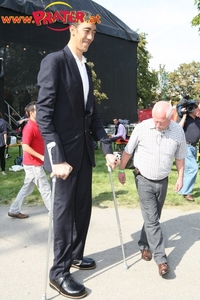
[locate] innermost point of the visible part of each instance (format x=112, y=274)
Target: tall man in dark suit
x=67, y=115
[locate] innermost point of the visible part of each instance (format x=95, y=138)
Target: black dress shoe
x=68, y=287
x=84, y=264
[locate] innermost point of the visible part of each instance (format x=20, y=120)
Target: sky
x=171, y=38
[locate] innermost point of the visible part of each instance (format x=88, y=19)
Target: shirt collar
x=77, y=59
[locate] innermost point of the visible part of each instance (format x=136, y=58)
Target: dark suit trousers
x=71, y=217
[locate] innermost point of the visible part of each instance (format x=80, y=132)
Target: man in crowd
x=120, y=130
x=191, y=126
x=155, y=143
x=33, y=159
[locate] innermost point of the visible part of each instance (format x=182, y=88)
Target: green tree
x=163, y=82
x=97, y=85
x=196, y=19
x=147, y=80
x=186, y=79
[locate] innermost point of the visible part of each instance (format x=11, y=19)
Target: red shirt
x=33, y=138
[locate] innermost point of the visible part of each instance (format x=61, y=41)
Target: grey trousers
x=152, y=197
x=33, y=176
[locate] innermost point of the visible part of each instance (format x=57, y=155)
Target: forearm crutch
x=49, y=147
x=117, y=217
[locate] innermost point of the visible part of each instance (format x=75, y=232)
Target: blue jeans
x=33, y=176
x=190, y=171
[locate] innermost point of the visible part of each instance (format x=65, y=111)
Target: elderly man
x=156, y=142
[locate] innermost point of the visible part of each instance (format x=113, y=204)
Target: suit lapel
x=75, y=71
x=73, y=68
x=89, y=104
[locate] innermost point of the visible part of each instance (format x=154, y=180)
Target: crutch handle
x=109, y=168
x=49, y=147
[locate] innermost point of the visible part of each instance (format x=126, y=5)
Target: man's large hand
x=61, y=170
x=112, y=161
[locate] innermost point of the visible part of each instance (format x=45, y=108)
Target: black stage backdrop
x=113, y=52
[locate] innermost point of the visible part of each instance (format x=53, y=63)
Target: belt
x=136, y=172
x=191, y=144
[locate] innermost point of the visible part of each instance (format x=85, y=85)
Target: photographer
x=188, y=111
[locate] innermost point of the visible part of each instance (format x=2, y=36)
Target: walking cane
x=117, y=217
x=49, y=147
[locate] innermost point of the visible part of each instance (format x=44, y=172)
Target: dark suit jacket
x=61, y=114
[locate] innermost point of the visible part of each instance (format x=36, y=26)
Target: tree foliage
x=97, y=85
x=196, y=19
x=163, y=83
x=147, y=80
x=186, y=79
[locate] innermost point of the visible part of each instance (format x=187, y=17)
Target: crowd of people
x=156, y=142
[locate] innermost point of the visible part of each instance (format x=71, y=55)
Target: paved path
x=23, y=245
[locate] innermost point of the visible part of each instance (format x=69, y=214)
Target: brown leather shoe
x=189, y=198
x=146, y=255
x=163, y=269
x=18, y=216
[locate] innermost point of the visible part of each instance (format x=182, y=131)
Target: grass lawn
x=126, y=195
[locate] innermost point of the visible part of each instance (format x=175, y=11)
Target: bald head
x=162, y=108
x=161, y=113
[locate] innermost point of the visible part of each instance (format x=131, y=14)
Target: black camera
x=188, y=104
x=190, y=107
